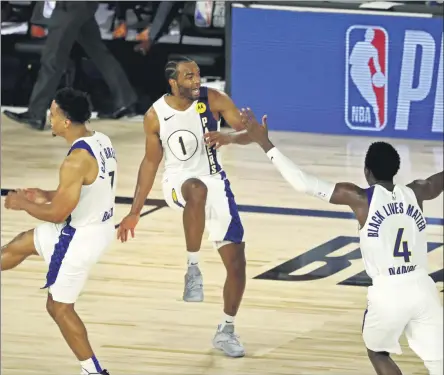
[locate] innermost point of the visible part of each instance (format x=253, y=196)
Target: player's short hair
x=74, y=104
x=383, y=161
x=172, y=65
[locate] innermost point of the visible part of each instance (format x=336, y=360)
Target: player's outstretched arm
x=147, y=173
x=340, y=193
x=428, y=189
x=222, y=103
x=72, y=174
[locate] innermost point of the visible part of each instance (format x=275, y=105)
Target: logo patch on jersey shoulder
x=201, y=107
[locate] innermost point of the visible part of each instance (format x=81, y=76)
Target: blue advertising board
x=340, y=73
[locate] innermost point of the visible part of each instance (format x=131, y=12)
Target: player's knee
x=434, y=367
x=237, y=262
x=50, y=307
x=22, y=244
x=60, y=310
x=375, y=355
x=195, y=191
x=15, y=243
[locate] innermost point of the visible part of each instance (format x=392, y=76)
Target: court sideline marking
x=160, y=203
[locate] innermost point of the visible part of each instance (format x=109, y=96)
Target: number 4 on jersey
x=405, y=253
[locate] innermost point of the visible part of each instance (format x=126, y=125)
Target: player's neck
x=386, y=184
x=77, y=133
x=178, y=103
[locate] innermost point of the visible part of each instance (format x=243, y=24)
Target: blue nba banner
x=349, y=73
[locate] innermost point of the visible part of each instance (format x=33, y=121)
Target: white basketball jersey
x=96, y=204
x=182, y=137
x=393, y=240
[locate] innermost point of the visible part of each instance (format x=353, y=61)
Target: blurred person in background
x=70, y=22
x=166, y=12
x=120, y=22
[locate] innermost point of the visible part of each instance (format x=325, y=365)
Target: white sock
x=91, y=366
x=193, y=258
x=227, y=319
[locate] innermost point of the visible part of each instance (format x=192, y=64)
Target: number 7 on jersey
x=111, y=175
x=405, y=253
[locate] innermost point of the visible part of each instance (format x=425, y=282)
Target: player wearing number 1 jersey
x=403, y=297
x=184, y=127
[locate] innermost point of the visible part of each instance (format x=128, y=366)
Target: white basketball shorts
x=408, y=304
x=70, y=253
x=222, y=219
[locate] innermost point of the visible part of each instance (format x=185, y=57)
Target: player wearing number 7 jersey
x=403, y=298
x=184, y=126
x=78, y=221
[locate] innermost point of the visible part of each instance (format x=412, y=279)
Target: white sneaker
x=227, y=341
x=193, y=290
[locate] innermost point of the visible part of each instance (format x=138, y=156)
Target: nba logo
x=366, y=74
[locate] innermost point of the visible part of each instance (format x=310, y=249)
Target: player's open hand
x=14, y=200
x=257, y=132
x=128, y=224
x=217, y=139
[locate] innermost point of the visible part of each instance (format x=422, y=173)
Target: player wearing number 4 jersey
x=403, y=298
x=78, y=217
x=184, y=126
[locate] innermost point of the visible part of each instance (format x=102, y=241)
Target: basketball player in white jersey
x=403, y=297
x=78, y=220
x=195, y=182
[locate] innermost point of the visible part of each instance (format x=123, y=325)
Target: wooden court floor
x=132, y=304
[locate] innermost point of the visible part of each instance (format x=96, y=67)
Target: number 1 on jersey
x=405, y=253
x=182, y=145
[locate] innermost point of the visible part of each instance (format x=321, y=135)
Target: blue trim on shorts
x=235, y=232
x=82, y=145
x=60, y=249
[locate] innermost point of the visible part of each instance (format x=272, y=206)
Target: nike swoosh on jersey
x=167, y=118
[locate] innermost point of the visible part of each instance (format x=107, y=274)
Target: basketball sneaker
x=227, y=341
x=193, y=291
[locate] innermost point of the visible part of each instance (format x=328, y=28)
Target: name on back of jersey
x=394, y=208
x=109, y=153
x=401, y=270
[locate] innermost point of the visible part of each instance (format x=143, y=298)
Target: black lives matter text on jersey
x=395, y=208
